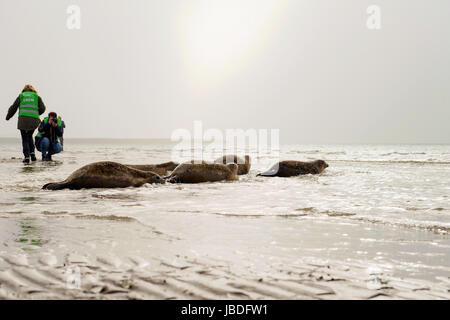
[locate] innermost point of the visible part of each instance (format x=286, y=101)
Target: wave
x=437, y=228
x=420, y=225
x=110, y=217
x=116, y=196
x=402, y=153
x=309, y=211
x=53, y=213
x=260, y=215
x=336, y=152
x=423, y=209
x=314, y=212
x=315, y=151
x=418, y=162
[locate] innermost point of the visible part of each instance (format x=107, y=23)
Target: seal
x=189, y=172
x=105, y=174
x=292, y=168
x=243, y=165
x=161, y=169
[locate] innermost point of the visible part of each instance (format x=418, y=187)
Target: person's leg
x=45, y=145
x=55, y=148
x=31, y=145
x=25, y=145
x=58, y=147
x=37, y=143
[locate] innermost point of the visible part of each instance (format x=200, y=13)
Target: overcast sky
x=141, y=69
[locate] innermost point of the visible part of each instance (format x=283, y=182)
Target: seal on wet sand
x=292, y=168
x=243, y=164
x=105, y=174
x=189, y=172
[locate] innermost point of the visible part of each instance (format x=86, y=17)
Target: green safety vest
x=39, y=134
x=29, y=104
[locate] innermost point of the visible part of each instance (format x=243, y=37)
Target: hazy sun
x=218, y=36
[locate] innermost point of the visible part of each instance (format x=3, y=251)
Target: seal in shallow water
x=161, y=169
x=243, y=164
x=189, y=172
x=105, y=174
x=292, y=168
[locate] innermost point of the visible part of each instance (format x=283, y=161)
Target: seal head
x=243, y=164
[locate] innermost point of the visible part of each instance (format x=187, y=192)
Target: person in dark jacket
x=30, y=107
x=49, y=131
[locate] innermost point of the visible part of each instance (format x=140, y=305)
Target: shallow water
x=382, y=206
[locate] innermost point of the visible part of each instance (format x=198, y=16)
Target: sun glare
x=218, y=36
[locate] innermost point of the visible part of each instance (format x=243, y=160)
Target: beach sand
x=110, y=257
x=371, y=226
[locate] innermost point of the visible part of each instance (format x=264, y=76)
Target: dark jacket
x=25, y=123
x=52, y=133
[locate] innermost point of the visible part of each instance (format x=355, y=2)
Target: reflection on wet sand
x=40, y=166
x=28, y=199
x=30, y=234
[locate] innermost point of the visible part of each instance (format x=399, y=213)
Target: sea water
x=386, y=206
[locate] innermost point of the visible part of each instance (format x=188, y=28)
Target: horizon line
x=301, y=143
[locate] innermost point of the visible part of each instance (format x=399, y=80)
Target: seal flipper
x=272, y=172
x=56, y=185
x=268, y=173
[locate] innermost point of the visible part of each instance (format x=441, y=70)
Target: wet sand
x=371, y=226
x=108, y=257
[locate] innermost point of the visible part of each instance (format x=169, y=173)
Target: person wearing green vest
x=30, y=106
x=47, y=138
